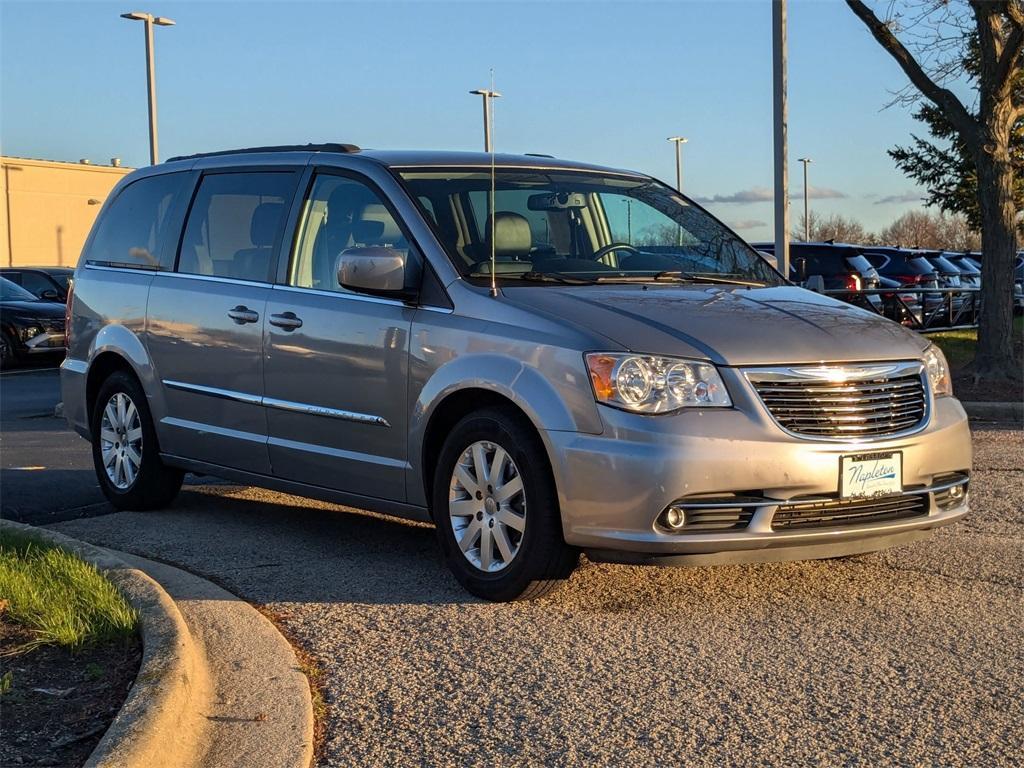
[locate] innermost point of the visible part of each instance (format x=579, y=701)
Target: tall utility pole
x=807, y=190
x=149, y=20
x=679, y=141
x=779, y=55
x=488, y=95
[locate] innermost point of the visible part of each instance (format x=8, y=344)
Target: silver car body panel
x=340, y=410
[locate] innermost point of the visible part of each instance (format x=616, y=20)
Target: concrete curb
x=995, y=411
x=154, y=727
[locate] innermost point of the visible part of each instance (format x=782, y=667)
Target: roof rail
x=281, y=148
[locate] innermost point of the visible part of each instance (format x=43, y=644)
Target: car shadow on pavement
x=271, y=547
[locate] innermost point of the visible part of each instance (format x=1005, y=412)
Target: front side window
x=235, y=225
x=556, y=225
x=340, y=213
x=138, y=227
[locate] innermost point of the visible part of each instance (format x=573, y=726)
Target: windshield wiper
x=675, y=276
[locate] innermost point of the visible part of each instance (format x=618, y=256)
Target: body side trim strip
x=284, y=405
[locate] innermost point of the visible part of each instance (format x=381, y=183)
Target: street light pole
x=779, y=56
x=807, y=190
x=149, y=20
x=679, y=141
x=487, y=94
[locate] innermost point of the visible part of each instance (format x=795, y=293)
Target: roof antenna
x=489, y=103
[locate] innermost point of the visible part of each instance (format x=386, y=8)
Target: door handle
x=242, y=315
x=287, y=321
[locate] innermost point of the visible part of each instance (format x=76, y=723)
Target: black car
x=29, y=326
x=970, y=270
x=48, y=283
x=840, y=266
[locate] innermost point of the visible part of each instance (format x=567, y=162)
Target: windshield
x=564, y=226
x=12, y=292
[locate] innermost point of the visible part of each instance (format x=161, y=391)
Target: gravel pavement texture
x=911, y=656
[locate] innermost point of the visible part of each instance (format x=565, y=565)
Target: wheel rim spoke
x=501, y=539
x=510, y=519
x=487, y=506
x=135, y=435
x=509, y=490
x=469, y=535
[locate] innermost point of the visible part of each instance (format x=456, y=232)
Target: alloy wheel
x=121, y=441
x=487, y=506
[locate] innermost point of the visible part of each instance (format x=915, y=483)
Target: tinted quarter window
x=235, y=225
x=137, y=227
x=340, y=213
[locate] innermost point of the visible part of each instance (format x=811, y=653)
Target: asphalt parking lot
x=912, y=656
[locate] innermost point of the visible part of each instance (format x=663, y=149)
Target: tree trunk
x=994, y=357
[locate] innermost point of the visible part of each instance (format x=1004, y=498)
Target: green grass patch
x=959, y=346
x=60, y=599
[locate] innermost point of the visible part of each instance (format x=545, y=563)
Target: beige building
x=49, y=207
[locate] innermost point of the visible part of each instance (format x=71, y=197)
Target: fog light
x=675, y=518
x=956, y=492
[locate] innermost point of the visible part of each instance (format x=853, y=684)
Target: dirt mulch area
x=965, y=390
x=59, y=704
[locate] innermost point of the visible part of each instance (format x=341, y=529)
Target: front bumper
x=613, y=487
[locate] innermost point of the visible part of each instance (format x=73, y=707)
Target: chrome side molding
x=282, y=405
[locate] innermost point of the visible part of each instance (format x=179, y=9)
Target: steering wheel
x=600, y=253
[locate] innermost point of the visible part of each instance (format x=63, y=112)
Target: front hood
x=32, y=309
x=727, y=325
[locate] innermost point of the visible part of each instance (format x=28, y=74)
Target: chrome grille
x=824, y=514
x=842, y=402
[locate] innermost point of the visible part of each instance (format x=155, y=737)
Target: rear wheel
x=124, y=448
x=496, y=509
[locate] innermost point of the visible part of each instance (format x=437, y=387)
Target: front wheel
x=497, y=511
x=125, y=451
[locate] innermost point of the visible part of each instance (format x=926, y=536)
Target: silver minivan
x=540, y=357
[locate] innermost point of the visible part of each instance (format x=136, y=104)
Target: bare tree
x=920, y=229
x=937, y=30
x=835, y=227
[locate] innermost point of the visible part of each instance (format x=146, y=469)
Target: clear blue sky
x=604, y=82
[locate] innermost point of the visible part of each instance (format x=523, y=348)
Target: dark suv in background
x=47, y=283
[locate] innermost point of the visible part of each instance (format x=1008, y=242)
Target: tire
x=8, y=352
x=151, y=485
x=500, y=520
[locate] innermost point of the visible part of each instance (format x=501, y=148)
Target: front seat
x=254, y=263
x=513, y=240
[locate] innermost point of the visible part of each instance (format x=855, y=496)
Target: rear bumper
x=72, y=389
x=613, y=487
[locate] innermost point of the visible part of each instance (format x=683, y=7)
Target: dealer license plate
x=871, y=474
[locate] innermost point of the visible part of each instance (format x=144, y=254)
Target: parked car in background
x=839, y=265
x=48, y=283
x=541, y=357
x=904, y=308
x=970, y=270
x=912, y=270
x=1018, y=284
x=29, y=326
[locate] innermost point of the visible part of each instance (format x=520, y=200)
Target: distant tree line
x=914, y=229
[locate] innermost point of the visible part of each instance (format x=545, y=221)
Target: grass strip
x=60, y=599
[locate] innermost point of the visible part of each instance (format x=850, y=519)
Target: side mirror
x=50, y=295
x=380, y=271
x=770, y=258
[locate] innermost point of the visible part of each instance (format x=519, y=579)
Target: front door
x=336, y=367
x=205, y=320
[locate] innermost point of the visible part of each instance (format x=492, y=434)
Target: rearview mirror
x=379, y=271
x=556, y=201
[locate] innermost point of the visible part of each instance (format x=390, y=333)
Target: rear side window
x=235, y=225
x=140, y=227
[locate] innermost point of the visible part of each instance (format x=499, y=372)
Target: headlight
x=650, y=384
x=938, y=371
x=29, y=332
